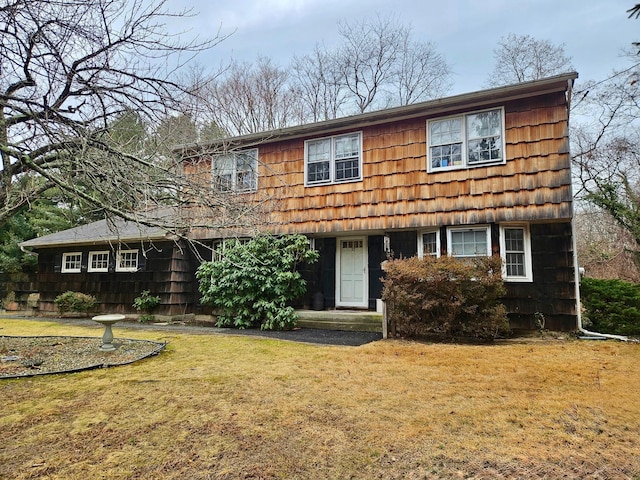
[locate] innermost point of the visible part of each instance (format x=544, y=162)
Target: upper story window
x=236, y=172
x=71, y=262
x=469, y=140
x=99, y=261
x=333, y=159
x=127, y=261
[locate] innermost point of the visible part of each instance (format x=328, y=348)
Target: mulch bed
x=28, y=356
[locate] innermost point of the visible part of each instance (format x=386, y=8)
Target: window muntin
x=429, y=244
x=71, y=262
x=334, y=159
x=99, y=261
x=469, y=242
x=127, y=261
x=466, y=141
x=515, y=246
x=236, y=172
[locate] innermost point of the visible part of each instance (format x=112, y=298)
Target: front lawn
x=233, y=407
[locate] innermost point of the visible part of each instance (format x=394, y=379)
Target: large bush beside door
x=250, y=284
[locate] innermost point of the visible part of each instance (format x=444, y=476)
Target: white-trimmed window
x=467, y=242
x=236, y=172
x=429, y=243
x=470, y=140
x=127, y=261
x=515, y=247
x=71, y=262
x=99, y=261
x=333, y=159
x=220, y=245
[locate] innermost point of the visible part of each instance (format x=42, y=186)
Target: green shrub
x=611, y=306
x=252, y=283
x=445, y=296
x=75, y=302
x=146, y=303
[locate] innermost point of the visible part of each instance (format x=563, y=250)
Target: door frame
x=365, y=284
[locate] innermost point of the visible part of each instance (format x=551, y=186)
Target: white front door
x=351, y=282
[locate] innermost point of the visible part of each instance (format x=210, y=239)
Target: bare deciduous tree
x=382, y=66
x=604, y=247
x=520, y=58
x=70, y=69
x=421, y=72
x=367, y=57
x=319, y=83
x=251, y=97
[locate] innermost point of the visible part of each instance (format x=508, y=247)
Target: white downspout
x=576, y=270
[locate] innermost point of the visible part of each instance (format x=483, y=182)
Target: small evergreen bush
x=75, y=302
x=445, y=296
x=611, y=306
x=145, y=302
x=251, y=283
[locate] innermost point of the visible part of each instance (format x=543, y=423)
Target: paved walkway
x=305, y=335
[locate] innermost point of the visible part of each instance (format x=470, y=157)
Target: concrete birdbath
x=107, y=338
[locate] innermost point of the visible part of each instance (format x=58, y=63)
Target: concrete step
x=349, y=320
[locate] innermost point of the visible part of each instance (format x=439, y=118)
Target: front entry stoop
x=348, y=320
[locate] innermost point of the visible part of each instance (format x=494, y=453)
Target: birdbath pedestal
x=107, y=338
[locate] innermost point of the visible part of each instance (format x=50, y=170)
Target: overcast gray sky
x=594, y=31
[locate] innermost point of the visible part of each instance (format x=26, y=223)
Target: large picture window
x=333, y=159
x=467, y=140
x=236, y=172
x=71, y=262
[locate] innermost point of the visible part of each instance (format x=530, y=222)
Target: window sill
x=324, y=184
x=465, y=167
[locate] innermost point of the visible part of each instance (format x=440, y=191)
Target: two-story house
x=473, y=174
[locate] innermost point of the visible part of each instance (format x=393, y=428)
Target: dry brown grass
x=231, y=407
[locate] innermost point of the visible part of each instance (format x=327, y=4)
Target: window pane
x=484, y=124
x=485, y=150
x=347, y=146
x=445, y=131
x=469, y=243
x=318, y=172
x=246, y=168
x=514, y=239
x=429, y=244
x=446, y=156
x=318, y=151
x=224, y=183
x=515, y=264
x=346, y=169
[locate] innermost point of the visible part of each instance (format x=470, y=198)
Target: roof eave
x=471, y=100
